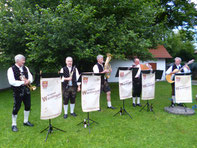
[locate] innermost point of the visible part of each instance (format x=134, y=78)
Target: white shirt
x=139, y=70
x=77, y=74
x=16, y=83
x=96, y=69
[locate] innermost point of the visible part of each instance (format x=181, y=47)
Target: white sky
x=194, y=1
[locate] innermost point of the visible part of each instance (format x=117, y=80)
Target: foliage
x=179, y=45
x=48, y=31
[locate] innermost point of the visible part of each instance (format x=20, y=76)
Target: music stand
x=122, y=109
x=159, y=75
x=50, y=127
x=87, y=124
x=182, y=74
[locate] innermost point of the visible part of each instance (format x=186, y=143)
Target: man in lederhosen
x=137, y=83
x=19, y=77
x=176, y=65
x=70, y=86
x=98, y=68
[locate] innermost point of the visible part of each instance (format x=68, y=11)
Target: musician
x=70, y=86
x=176, y=65
x=137, y=83
x=21, y=92
x=98, y=68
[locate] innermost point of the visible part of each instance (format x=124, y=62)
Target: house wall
x=3, y=78
x=161, y=65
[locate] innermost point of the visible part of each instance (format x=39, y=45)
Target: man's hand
x=68, y=79
x=26, y=82
x=106, y=71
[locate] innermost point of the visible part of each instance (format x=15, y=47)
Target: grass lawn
x=144, y=130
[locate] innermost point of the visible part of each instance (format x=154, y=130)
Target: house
x=160, y=54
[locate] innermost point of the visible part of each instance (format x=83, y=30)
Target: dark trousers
x=18, y=99
x=69, y=94
x=173, y=88
x=137, y=87
x=105, y=86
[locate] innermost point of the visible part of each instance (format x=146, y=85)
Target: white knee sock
x=72, y=107
x=173, y=99
x=65, y=109
x=14, y=117
x=26, y=116
x=138, y=100
x=109, y=103
x=134, y=98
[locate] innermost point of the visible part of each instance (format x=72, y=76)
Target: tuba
x=107, y=66
x=32, y=88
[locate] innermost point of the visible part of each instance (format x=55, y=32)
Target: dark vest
x=174, y=67
x=66, y=75
x=17, y=75
x=100, y=67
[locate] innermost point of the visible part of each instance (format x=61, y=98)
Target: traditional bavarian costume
x=98, y=68
x=21, y=92
x=69, y=89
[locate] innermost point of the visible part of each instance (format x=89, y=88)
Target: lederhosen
x=20, y=93
x=104, y=83
x=69, y=92
x=172, y=84
x=137, y=85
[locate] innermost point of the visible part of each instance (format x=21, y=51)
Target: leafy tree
x=178, y=45
x=48, y=31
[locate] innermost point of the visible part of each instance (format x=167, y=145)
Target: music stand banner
x=125, y=84
x=148, y=86
x=183, y=89
x=51, y=98
x=90, y=93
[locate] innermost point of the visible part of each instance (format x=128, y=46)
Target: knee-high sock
x=109, y=103
x=14, y=117
x=134, y=98
x=26, y=116
x=173, y=99
x=72, y=107
x=138, y=100
x=66, y=109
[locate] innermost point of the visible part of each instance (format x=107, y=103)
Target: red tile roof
x=160, y=52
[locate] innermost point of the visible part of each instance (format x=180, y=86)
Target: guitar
x=169, y=77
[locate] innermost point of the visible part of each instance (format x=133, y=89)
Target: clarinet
x=71, y=74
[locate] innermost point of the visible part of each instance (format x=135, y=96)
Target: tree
x=46, y=32
x=178, y=45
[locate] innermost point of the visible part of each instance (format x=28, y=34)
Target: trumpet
x=32, y=88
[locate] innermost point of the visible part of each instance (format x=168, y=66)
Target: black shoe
x=65, y=116
x=73, y=114
x=139, y=105
x=99, y=110
x=28, y=124
x=111, y=107
x=172, y=105
x=134, y=105
x=180, y=104
x=14, y=128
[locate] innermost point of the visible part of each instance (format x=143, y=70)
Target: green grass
x=144, y=130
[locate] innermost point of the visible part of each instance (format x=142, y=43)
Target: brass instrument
x=32, y=88
x=107, y=66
